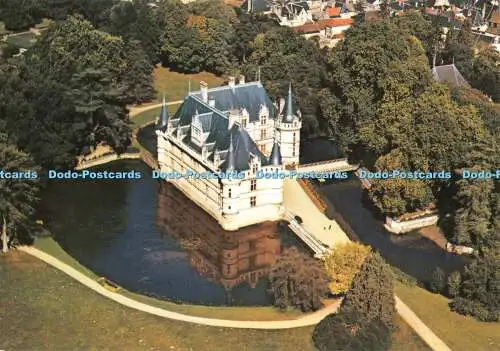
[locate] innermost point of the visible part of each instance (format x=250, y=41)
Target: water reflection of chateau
x=226, y=258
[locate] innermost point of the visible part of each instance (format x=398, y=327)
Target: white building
x=231, y=129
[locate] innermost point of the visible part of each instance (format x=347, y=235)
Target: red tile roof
x=333, y=11
x=335, y=22
x=308, y=28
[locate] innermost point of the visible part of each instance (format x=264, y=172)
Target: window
x=254, y=169
x=244, y=122
x=253, y=201
x=263, y=120
x=293, y=152
x=229, y=193
x=263, y=134
x=263, y=149
x=294, y=138
x=253, y=185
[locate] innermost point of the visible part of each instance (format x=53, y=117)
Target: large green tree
x=374, y=58
x=371, y=295
x=284, y=57
x=78, y=82
x=366, y=316
x=298, y=280
x=137, y=20
x=18, y=196
x=480, y=289
x=343, y=331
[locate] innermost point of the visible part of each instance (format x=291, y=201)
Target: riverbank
x=45, y=310
x=268, y=313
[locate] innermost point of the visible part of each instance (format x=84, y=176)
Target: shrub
x=473, y=308
x=404, y=278
x=298, y=280
x=342, y=265
x=437, y=283
x=454, y=284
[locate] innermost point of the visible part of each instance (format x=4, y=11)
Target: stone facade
x=234, y=129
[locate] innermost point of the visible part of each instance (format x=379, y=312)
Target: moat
x=149, y=238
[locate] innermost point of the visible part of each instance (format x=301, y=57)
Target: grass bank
x=458, y=332
x=267, y=313
x=44, y=309
x=175, y=85
x=24, y=40
x=150, y=115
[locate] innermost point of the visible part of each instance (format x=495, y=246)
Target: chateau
x=231, y=129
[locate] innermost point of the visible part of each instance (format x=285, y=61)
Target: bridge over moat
x=338, y=165
x=315, y=229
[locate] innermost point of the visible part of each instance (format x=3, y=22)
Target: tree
x=374, y=58
x=18, y=15
x=371, y=295
x=472, y=215
x=138, y=21
x=397, y=196
x=78, y=81
x=438, y=281
x=204, y=44
x=18, y=196
x=454, y=281
x=480, y=289
x=344, y=332
x=283, y=57
x=343, y=263
x=217, y=10
x=298, y=281
x=385, y=9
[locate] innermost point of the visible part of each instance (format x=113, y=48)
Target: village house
x=237, y=130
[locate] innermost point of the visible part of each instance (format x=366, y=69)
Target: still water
x=411, y=253
x=148, y=237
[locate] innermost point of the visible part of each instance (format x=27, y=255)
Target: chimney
x=281, y=105
x=242, y=79
x=231, y=82
x=204, y=91
x=211, y=102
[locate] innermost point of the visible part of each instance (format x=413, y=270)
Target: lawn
x=458, y=332
x=150, y=115
x=175, y=85
x=49, y=246
x=44, y=309
x=25, y=40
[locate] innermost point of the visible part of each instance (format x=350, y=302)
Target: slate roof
x=214, y=121
x=449, y=74
x=243, y=150
x=275, y=157
x=257, y=6
x=289, y=108
x=249, y=96
x=163, y=120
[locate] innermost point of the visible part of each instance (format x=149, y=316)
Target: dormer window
x=198, y=135
x=263, y=120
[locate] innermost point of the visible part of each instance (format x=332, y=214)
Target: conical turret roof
x=231, y=157
x=163, y=120
x=289, y=109
x=275, y=157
